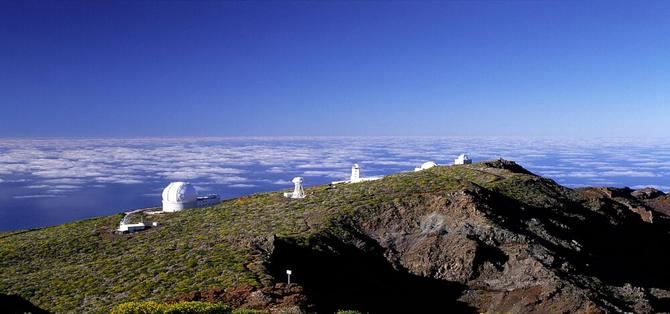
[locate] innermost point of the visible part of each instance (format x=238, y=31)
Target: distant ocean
x=52, y=181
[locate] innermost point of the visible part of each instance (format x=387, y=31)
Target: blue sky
x=168, y=68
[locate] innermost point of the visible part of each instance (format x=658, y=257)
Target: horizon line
x=232, y=137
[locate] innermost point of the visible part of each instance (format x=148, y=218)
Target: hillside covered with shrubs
x=484, y=237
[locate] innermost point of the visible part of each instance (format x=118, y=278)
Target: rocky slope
x=488, y=237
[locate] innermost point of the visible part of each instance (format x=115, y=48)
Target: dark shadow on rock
x=615, y=245
x=14, y=304
x=338, y=275
x=661, y=305
x=491, y=254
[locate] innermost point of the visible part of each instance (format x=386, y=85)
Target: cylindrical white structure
x=179, y=196
x=355, y=174
x=298, y=191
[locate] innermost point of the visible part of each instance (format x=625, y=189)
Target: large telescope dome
x=178, y=196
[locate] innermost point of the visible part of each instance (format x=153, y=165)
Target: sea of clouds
x=41, y=180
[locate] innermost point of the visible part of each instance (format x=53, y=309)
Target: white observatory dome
x=297, y=180
x=428, y=165
x=178, y=196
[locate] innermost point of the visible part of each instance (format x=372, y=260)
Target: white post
x=288, y=272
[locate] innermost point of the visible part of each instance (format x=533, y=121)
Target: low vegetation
x=85, y=267
x=150, y=307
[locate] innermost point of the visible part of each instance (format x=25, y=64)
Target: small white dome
x=180, y=192
x=428, y=165
x=462, y=160
x=297, y=180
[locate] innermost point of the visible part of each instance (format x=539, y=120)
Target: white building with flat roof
x=131, y=227
x=208, y=200
x=126, y=226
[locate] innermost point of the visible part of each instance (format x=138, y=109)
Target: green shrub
x=150, y=307
x=347, y=312
x=196, y=308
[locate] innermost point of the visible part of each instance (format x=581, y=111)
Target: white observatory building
x=179, y=196
x=298, y=191
x=426, y=165
x=356, y=176
x=462, y=159
x=182, y=195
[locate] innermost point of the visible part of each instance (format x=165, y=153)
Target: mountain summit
x=485, y=237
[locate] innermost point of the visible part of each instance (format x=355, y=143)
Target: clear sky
x=198, y=68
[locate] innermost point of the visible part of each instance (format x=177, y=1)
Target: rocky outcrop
x=484, y=249
x=508, y=165
x=645, y=202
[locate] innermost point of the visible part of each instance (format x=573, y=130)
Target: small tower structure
x=355, y=174
x=298, y=191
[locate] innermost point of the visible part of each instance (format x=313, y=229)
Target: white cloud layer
x=63, y=166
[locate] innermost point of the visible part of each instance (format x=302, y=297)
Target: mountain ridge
x=490, y=236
